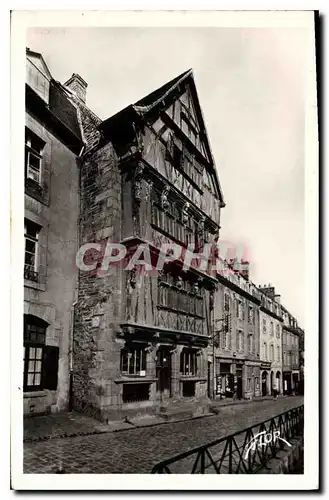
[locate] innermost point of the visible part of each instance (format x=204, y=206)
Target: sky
x=250, y=83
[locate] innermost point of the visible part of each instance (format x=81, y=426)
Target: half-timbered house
x=141, y=335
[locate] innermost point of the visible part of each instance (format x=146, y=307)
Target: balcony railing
x=241, y=453
x=30, y=274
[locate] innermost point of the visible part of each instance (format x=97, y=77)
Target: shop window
x=133, y=361
x=188, y=389
x=132, y=393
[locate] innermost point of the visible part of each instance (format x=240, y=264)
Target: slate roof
x=59, y=103
x=149, y=101
x=63, y=108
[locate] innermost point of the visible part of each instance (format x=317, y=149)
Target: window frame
x=34, y=338
x=35, y=240
x=186, y=367
x=129, y=353
x=30, y=138
x=250, y=343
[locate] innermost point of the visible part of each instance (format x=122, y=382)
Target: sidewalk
x=70, y=424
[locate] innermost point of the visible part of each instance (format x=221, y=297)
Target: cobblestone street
x=138, y=450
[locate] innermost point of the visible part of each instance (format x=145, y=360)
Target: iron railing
x=244, y=452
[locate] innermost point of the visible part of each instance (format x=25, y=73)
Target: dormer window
x=33, y=156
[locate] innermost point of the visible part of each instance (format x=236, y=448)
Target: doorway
x=264, y=384
x=278, y=382
x=163, y=372
x=239, y=383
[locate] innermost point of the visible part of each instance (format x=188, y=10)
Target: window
x=184, y=298
x=188, y=362
x=169, y=217
x=264, y=325
x=278, y=358
x=31, y=233
x=135, y=392
x=277, y=331
x=251, y=314
x=240, y=310
x=272, y=328
x=188, y=128
x=265, y=350
x=133, y=361
x=40, y=361
x=32, y=367
x=271, y=352
x=240, y=340
x=33, y=156
x=250, y=342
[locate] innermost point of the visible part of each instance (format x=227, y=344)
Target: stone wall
x=98, y=311
x=51, y=298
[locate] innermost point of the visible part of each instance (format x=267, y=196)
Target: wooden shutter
x=50, y=367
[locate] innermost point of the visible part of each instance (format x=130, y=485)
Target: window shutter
x=50, y=367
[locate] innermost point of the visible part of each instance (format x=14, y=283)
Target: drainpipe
x=73, y=310
x=71, y=355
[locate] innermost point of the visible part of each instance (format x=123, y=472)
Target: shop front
x=224, y=380
x=265, y=371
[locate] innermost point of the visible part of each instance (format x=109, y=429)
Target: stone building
x=270, y=340
x=290, y=353
x=106, y=332
x=140, y=338
x=53, y=142
x=236, y=337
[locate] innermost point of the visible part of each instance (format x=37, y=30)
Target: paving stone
x=138, y=449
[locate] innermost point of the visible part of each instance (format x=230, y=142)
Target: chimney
x=245, y=269
x=268, y=290
x=78, y=86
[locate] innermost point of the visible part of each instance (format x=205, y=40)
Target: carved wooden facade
x=170, y=194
